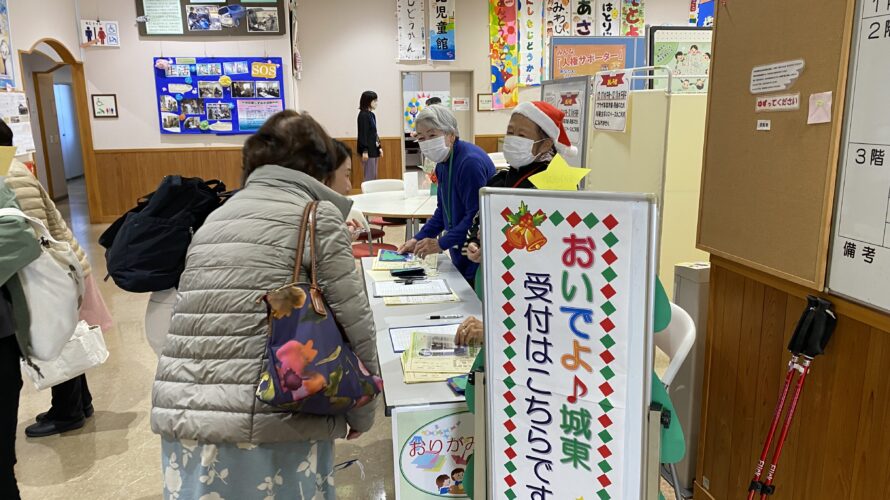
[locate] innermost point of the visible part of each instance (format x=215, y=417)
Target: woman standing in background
x=368, y=140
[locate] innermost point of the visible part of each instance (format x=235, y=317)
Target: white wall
x=338, y=65
x=33, y=20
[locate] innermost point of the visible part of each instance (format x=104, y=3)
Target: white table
x=395, y=204
x=396, y=392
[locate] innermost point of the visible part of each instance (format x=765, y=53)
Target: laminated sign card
x=568, y=280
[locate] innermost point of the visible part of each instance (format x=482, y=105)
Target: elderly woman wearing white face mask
x=462, y=169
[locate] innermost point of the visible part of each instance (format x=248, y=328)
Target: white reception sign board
x=568, y=302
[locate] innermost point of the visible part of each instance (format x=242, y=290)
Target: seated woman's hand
x=470, y=332
x=408, y=246
x=474, y=253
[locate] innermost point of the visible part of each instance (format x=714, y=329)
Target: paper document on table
x=421, y=377
x=401, y=337
x=438, y=353
x=429, y=262
x=411, y=288
x=386, y=276
x=421, y=300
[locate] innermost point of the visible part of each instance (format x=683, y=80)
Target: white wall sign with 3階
x=860, y=252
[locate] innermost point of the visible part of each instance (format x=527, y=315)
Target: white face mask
x=435, y=149
x=518, y=151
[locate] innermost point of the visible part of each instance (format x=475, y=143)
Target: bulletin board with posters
x=221, y=95
x=586, y=56
x=568, y=348
x=431, y=448
x=197, y=18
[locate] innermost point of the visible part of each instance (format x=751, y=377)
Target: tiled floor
x=116, y=456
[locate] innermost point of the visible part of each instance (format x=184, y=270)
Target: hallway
x=116, y=456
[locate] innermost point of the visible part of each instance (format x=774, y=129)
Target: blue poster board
x=217, y=95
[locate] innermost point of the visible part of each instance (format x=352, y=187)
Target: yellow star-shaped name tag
x=559, y=176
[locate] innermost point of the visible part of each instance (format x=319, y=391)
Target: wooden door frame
x=81, y=111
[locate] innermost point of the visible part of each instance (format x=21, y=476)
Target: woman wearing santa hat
x=534, y=136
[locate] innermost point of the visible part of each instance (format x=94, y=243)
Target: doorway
x=455, y=88
x=72, y=157
x=52, y=81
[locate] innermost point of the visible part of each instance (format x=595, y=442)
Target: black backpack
x=146, y=247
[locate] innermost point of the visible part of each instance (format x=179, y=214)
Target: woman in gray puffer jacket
x=218, y=440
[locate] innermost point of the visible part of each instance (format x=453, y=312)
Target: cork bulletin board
x=767, y=195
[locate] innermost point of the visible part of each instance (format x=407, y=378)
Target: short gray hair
x=438, y=117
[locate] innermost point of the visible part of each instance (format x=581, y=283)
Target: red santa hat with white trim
x=550, y=120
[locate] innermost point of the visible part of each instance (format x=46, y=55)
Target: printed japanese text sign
x=860, y=252
x=568, y=307
x=611, y=94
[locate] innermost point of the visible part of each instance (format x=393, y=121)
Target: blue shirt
x=458, y=201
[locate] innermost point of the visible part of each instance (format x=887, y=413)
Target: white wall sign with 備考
x=860, y=252
x=412, y=35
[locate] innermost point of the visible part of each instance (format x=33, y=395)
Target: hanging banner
x=531, y=42
x=412, y=42
x=431, y=447
x=632, y=18
x=442, y=40
x=504, y=53
x=608, y=20
x=557, y=15
x=583, y=18
x=566, y=344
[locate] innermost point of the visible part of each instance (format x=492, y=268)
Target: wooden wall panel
x=838, y=445
x=488, y=142
x=122, y=176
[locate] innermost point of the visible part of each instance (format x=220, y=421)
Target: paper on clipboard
x=416, y=288
x=421, y=300
x=401, y=337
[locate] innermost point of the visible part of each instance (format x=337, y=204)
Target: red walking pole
x=758, y=471
x=813, y=331
x=767, y=486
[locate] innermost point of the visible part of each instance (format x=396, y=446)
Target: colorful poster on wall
x=412, y=40
x=686, y=52
x=531, y=42
x=557, y=22
x=583, y=18
x=223, y=95
x=608, y=21
x=504, y=53
x=7, y=73
x=442, y=29
x=632, y=18
x=576, y=56
x=414, y=102
x=431, y=447
x=580, y=60
x=566, y=345
x=100, y=33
